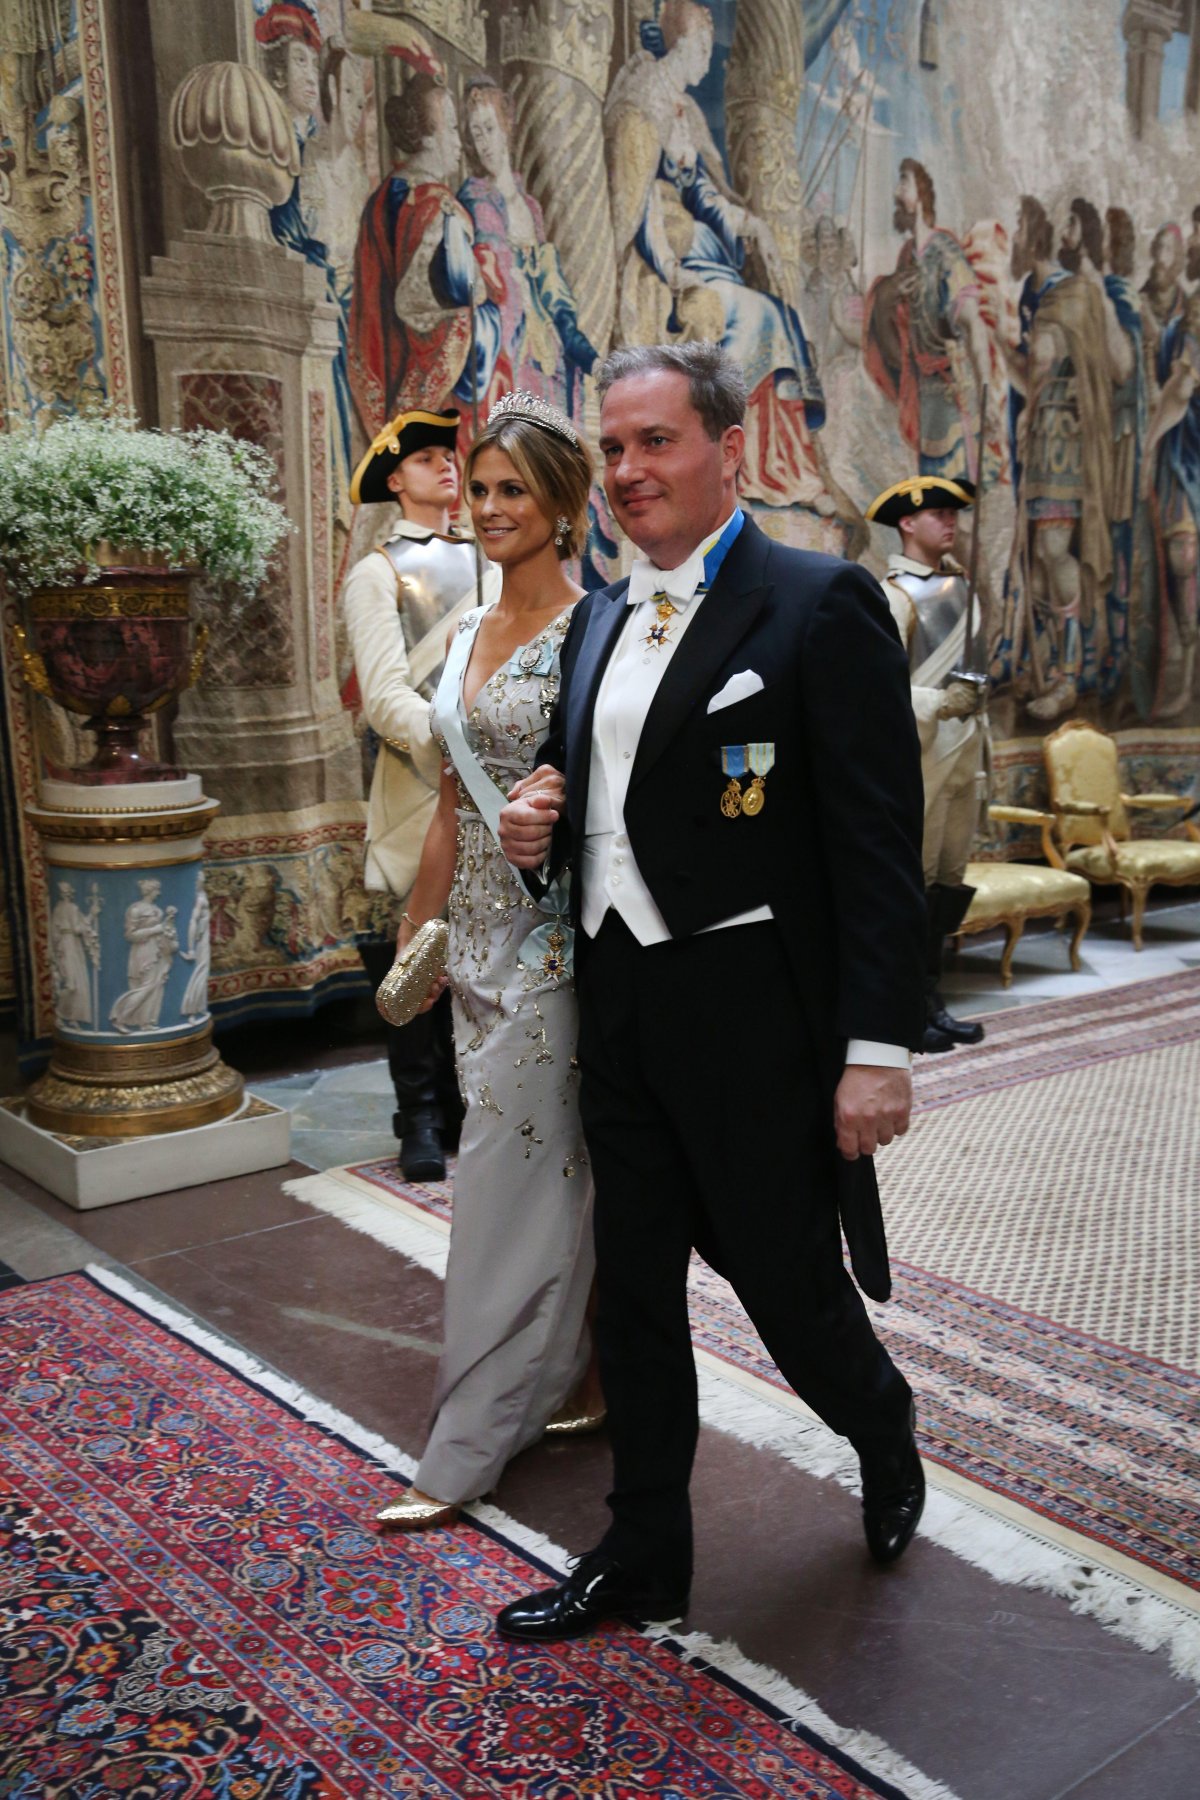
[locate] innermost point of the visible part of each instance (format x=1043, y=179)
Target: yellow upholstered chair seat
x=1092, y=833
x=1009, y=893
x=1139, y=859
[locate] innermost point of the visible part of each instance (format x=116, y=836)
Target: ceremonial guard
x=929, y=597
x=400, y=603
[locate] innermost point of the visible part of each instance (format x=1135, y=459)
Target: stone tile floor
x=999, y=1692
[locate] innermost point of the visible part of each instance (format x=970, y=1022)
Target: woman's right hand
x=437, y=989
x=404, y=937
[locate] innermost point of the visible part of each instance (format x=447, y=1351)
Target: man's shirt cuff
x=880, y=1056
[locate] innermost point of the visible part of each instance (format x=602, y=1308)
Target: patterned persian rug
x=1042, y=1215
x=190, y=1604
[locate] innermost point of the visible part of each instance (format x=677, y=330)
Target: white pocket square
x=738, y=687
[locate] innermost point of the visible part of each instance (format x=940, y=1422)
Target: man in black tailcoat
x=733, y=771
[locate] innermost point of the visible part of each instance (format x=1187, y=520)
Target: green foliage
x=195, y=500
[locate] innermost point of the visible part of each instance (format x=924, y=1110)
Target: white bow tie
x=678, y=584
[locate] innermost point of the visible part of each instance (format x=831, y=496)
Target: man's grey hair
x=716, y=384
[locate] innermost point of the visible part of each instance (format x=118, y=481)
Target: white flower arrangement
x=194, y=500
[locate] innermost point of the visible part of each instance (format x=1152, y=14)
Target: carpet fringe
x=424, y=1245
x=876, y=1758
x=1000, y=1548
x=799, y=1708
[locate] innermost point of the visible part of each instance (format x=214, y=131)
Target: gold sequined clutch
x=405, y=987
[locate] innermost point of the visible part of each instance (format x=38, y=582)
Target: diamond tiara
x=521, y=404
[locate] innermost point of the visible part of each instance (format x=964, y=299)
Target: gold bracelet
x=408, y=920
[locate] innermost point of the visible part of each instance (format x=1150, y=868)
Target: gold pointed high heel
x=571, y=1422
x=412, y=1514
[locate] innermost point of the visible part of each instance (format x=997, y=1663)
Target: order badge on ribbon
x=737, y=762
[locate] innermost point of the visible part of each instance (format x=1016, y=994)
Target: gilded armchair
x=1010, y=893
x=1092, y=833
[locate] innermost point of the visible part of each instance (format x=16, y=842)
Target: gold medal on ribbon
x=760, y=760
x=733, y=763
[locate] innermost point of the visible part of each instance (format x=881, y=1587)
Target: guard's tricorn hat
x=919, y=491
x=407, y=433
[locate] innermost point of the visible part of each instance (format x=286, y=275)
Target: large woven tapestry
x=946, y=238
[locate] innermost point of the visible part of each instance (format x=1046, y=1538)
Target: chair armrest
x=1083, y=809
x=1156, y=802
x=1020, y=815
x=1030, y=815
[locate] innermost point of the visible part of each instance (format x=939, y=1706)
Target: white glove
x=962, y=700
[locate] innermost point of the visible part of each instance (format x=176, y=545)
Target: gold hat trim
x=916, y=487
x=389, y=439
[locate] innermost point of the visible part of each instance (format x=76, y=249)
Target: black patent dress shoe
x=422, y=1157
x=934, y=1040
x=893, y=1498
x=598, y=1588
x=960, y=1031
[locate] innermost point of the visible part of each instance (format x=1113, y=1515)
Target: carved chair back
x=1082, y=765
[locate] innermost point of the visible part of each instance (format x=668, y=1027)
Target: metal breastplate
x=939, y=602
x=432, y=574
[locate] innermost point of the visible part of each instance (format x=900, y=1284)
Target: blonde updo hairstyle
x=557, y=472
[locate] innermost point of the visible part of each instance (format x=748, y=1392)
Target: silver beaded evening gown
x=515, y=1341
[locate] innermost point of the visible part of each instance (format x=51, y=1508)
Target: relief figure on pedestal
x=543, y=349
x=417, y=270
x=194, y=1004
x=74, y=957
x=681, y=238
x=150, y=931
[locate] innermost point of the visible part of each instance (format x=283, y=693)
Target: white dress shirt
x=609, y=874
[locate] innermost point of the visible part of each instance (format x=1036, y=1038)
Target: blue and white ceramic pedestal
x=136, y=1099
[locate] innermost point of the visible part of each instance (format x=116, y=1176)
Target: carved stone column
x=1148, y=26
x=244, y=338
x=556, y=60
x=762, y=98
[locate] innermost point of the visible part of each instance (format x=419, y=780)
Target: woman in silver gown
x=515, y=1355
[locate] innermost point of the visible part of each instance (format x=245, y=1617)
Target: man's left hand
x=871, y=1107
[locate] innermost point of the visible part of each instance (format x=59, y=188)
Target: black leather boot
x=421, y=1064
x=414, y=1064
x=419, y=1129
x=935, y=1040
x=948, y=908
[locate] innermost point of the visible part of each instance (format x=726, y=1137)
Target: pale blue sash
x=549, y=947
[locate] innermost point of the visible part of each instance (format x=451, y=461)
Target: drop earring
x=561, y=528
